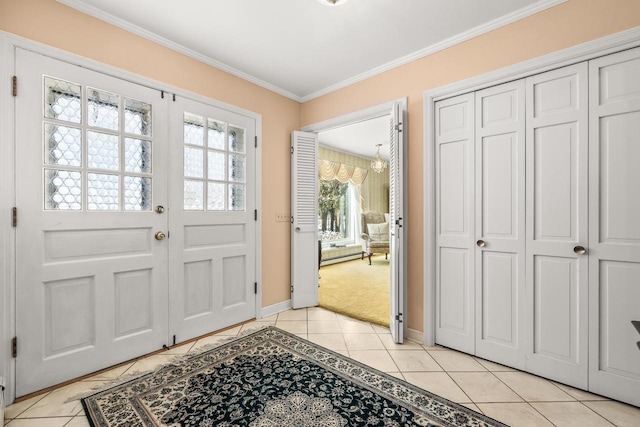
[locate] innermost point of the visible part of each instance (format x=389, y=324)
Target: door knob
x=580, y=250
x=159, y=209
x=297, y=228
x=159, y=235
x=481, y=243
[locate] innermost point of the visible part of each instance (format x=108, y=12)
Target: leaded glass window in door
x=214, y=165
x=97, y=149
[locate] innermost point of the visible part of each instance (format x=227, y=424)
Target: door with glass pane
x=212, y=219
x=91, y=277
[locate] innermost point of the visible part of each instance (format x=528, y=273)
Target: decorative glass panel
x=236, y=197
x=63, y=145
x=237, y=166
x=216, y=166
x=216, y=134
x=137, y=155
x=102, y=192
x=193, y=195
x=103, y=109
x=193, y=162
x=137, y=117
x=103, y=152
x=236, y=139
x=63, y=190
x=216, y=197
x=193, y=129
x=137, y=193
x=62, y=100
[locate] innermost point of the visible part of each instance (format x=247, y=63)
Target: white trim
x=572, y=55
x=429, y=50
x=275, y=309
x=374, y=112
x=258, y=253
x=414, y=335
x=127, y=26
x=440, y=46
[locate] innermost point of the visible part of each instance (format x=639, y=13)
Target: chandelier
x=332, y=2
x=378, y=164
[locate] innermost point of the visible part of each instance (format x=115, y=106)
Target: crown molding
x=434, y=48
x=127, y=26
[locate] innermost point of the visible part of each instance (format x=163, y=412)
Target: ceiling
x=303, y=49
x=360, y=138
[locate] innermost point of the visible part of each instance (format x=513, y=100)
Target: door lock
x=160, y=235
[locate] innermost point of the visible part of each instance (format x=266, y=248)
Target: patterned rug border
x=367, y=377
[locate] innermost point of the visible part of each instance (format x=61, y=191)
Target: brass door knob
x=159, y=235
x=159, y=209
x=481, y=243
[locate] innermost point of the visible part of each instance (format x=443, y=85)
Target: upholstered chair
x=375, y=234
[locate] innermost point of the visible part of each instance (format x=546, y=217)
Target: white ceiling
x=301, y=48
x=360, y=138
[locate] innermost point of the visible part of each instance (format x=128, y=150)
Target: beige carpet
x=357, y=289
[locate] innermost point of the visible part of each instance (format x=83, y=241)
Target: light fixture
x=378, y=164
x=332, y=2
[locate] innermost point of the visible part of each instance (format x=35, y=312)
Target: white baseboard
x=413, y=335
x=275, y=309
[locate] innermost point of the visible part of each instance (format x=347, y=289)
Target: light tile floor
x=513, y=397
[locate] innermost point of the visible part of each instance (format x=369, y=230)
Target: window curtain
x=328, y=171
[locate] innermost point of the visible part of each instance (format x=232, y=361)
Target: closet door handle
x=481, y=243
x=580, y=250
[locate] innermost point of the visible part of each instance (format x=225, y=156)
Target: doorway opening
x=353, y=220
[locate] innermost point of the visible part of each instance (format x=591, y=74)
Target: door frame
x=8, y=44
x=582, y=52
x=368, y=114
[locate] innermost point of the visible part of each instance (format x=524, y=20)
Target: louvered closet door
x=304, y=224
x=557, y=180
x=500, y=227
x=454, y=223
x=614, y=226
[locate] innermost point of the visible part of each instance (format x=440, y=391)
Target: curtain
x=328, y=171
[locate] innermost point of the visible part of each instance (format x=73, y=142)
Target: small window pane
x=63, y=190
x=63, y=145
x=193, y=195
x=193, y=162
x=103, y=109
x=237, y=167
x=62, y=100
x=137, y=193
x=216, y=197
x=236, y=197
x=216, y=166
x=102, y=192
x=103, y=152
x=137, y=117
x=236, y=139
x=137, y=155
x=193, y=129
x=216, y=134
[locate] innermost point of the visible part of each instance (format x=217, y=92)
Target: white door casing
x=557, y=208
x=614, y=226
x=454, y=219
x=397, y=211
x=212, y=218
x=500, y=227
x=91, y=279
x=304, y=222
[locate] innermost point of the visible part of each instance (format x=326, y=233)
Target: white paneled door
x=91, y=277
x=500, y=226
x=614, y=226
x=455, y=246
x=557, y=229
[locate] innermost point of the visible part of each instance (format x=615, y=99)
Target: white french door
x=614, y=226
x=212, y=219
x=91, y=278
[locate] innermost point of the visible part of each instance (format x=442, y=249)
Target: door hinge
x=399, y=317
x=291, y=288
x=14, y=217
x=174, y=97
x=14, y=347
x=174, y=340
x=14, y=85
x=255, y=215
x=399, y=127
x=162, y=94
x=255, y=287
x=291, y=220
x=292, y=149
x=256, y=140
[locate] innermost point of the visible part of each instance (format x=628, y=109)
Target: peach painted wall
x=51, y=23
x=562, y=26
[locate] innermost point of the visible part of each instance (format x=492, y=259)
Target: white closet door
x=557, y=150
x=304, y=225
x=500, y=227
x=614, y=226
x=454, y=223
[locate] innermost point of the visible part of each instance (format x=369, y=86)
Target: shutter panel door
x=304, y=224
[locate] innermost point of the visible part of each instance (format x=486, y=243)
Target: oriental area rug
x=272, y=378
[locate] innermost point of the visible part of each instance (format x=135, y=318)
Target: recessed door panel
x=499, y=294
x=454, y=295
x=454, y=188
